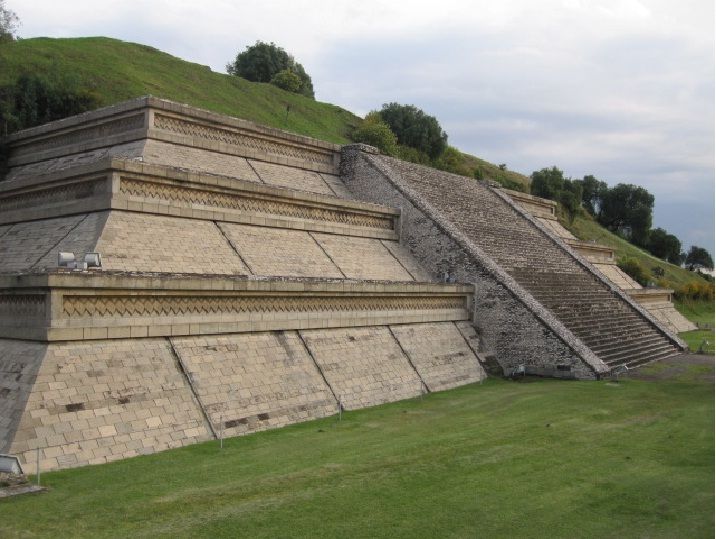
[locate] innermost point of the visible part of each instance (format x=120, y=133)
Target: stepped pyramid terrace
x=251, y=278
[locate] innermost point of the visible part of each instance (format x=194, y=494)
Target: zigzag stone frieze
x=241, y=202
x=130, y=306
x=233, y=138
x=19, y=306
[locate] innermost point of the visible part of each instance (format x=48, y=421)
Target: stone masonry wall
x=255, y=381
x=512, y=325
x=93, y=402
x=439, y=354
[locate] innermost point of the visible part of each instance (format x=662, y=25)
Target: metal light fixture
x=66, y=260
x=93, y=260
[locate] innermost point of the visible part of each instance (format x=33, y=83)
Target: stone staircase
x=613, y=330
x=502, y=239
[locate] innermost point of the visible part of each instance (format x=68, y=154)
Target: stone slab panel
x=105, y=400
x=198, y=160
x=618, y=277
x=291, y=178
x=275, y=251
x=153, y=243
x=24, y=244
x=557, y=228
x=255, y=381
x=363, y=258
x=337, y=186
x=363, y=366
x=440, y=354
x=409, y=263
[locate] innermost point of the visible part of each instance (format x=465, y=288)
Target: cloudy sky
x=622, y=89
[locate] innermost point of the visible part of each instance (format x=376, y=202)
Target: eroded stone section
x=362, y=258
x=255, y=381
x=142, y=242
x=100, y=401
x=363, y=366
x=275, y=251
x=24, y=245
x=291, y=178
x=440, y=354
x=198, y=160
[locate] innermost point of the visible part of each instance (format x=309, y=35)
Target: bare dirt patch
x=685, y=367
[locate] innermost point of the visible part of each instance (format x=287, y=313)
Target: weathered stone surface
x=255, y=381
x=363, y=366
x=87, y=403
x=439, y=354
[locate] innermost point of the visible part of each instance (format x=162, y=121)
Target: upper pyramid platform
x=162, y=132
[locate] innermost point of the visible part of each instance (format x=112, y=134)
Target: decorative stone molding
x=98, y=305
x=128, y=185
x=239, y=140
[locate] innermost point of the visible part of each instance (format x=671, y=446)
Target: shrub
x=287, y=80
x=375, y=131
x=451, y=160
x=635, y=270
x=696, y=290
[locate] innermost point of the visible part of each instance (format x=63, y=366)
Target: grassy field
x=503, y=459
x=701, y=313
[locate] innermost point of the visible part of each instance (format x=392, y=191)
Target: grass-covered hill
x=114, y=71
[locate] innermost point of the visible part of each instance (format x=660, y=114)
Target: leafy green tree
x=627, y=210
x=664, y=245
x=375, y=131
x=547, y=183
x=415, y=129
x=452, y=160
x=9, y=23
x=593, y=191
x=261, y=62
x=698, y=257
x=571, y=198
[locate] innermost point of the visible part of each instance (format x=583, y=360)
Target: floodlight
x=93, y=260
x=66, y=260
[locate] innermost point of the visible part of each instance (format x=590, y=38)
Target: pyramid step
x=613, y=343
x=643, y=358
x=625, y=353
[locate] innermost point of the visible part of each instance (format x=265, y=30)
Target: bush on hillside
x=634, y=269
x=287, y=80
x=9, y=22
x=375, y=131
x=262, y=62
x=451, y=160
x=695, y=290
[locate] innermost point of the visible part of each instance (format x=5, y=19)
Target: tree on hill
x=593, y=191
x=664, y=245
x=698, y=257
x=627, y=209
x=265, y=62
x=415, y=129
x=547, y=183
x=9, y=23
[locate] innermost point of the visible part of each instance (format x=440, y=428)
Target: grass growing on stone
x=505, y=459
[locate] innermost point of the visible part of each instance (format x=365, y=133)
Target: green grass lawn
x=503, y=459
x=701, y=313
